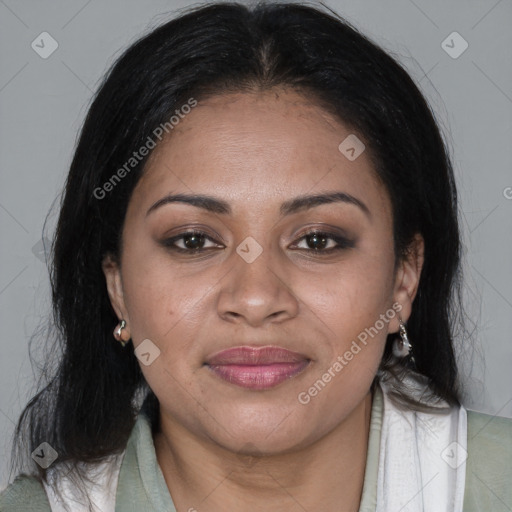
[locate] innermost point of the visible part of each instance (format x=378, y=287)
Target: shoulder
x=25, y=493
x=491, y=435
x=489, y=463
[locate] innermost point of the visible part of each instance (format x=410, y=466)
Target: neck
x=327, y=475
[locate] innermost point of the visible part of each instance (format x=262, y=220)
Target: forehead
x=258, y=148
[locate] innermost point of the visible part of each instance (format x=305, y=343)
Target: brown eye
x=320, y=241
x=192, y=242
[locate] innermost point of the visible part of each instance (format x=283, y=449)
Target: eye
x=323, y=242
x=192, y=242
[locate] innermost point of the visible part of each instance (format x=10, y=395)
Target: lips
x=255, y=356
x=257, y=367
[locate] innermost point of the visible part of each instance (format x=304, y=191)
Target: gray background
x=43, y=102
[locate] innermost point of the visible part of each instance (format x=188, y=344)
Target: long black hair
x=87, y=408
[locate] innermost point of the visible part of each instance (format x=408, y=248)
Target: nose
x=257, y=292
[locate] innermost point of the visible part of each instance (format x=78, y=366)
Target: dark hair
x=87, y=408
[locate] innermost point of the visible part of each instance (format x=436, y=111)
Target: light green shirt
x=142, y=488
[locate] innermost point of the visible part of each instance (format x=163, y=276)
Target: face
x=260, y=271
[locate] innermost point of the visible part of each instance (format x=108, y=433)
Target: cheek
x=352, y=296
x=353, y=303
x=351, y=309
x=165, y=302
x=151, y=294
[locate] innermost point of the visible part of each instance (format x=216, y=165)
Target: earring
x=117, y=332
x=402, y=348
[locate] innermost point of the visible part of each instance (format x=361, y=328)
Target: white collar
x=422, y=459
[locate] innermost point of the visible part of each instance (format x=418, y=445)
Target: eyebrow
x=300, y=203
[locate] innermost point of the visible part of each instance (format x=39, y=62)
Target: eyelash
x=342, y=243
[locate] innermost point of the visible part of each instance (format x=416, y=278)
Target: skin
x=220, y=446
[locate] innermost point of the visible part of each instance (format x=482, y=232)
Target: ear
x=114, y=283
x=407, y=280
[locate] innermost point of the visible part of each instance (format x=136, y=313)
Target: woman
x=255, y=278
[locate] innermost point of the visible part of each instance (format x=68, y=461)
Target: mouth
x=257, y=368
